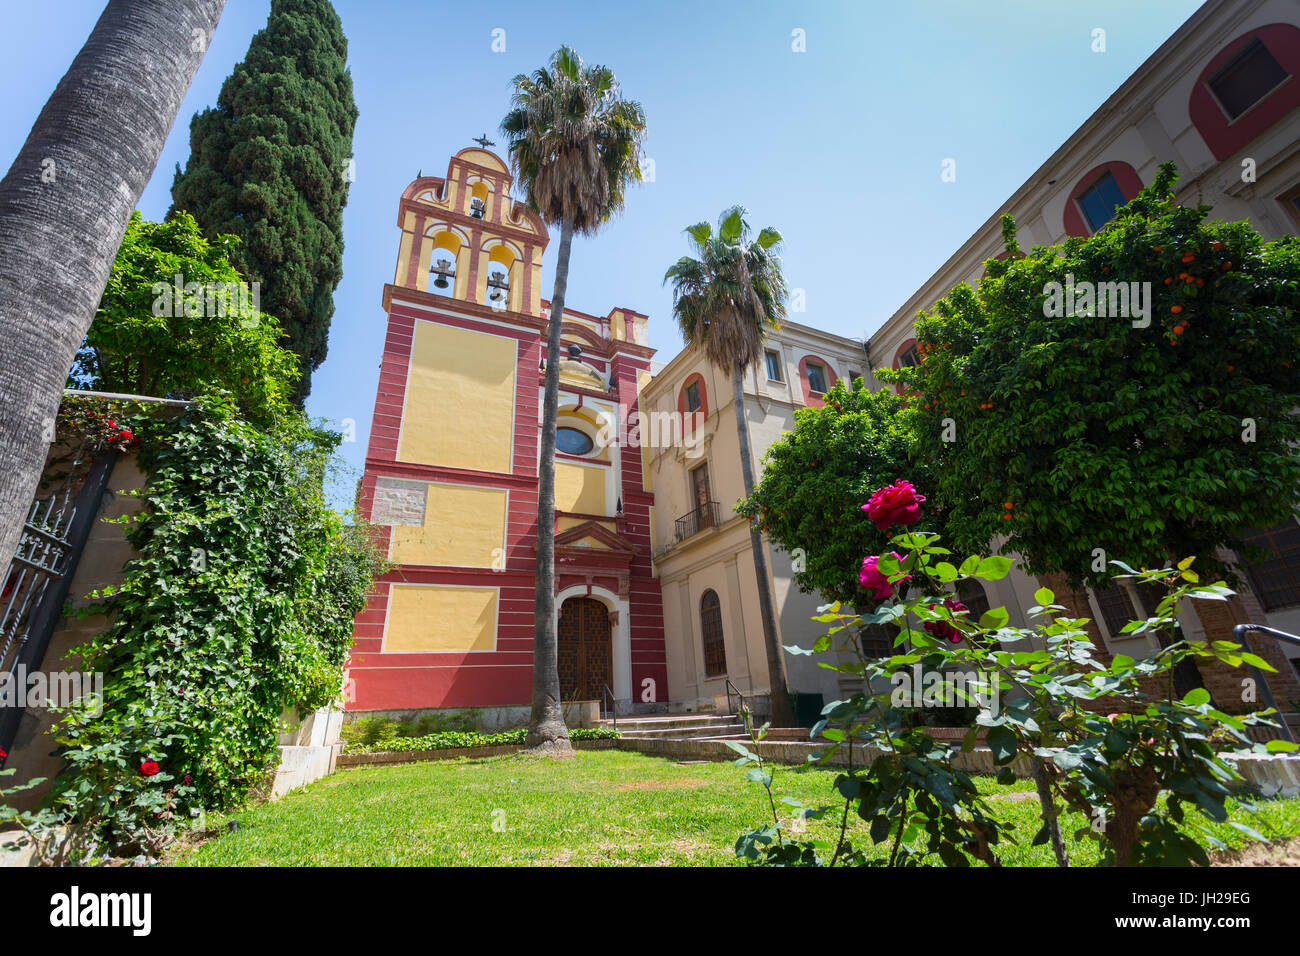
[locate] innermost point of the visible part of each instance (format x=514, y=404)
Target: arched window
x=817, y=376
x=878, y=640
x=1246, y=87
x=1276, y=578
x=715, y=653
x=907, y=356
x=971, y=593
x=1116, y=607
x=1097, y=195
x=693, y=402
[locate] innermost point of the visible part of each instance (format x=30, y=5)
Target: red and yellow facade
x=451, y=469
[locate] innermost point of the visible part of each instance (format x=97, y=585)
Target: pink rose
x=873, y=580
x=895, y=504
x=944, y=630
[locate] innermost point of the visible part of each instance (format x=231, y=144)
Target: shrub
x=239, y=604
x=453, y=740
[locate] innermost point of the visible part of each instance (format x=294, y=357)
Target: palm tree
x=726, y=301
x=64, y=207
x=575, y=145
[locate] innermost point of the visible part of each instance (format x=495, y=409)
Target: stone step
x=675, y=722
x=735, y=729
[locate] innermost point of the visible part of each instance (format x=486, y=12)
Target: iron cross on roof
x=484, y=141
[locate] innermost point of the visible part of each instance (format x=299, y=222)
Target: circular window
x=573, y=441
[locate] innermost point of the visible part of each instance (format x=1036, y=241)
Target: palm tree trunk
x=782, y=713
x=64, y=206
x=546, y=730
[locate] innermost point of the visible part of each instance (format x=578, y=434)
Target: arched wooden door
x=586, y=656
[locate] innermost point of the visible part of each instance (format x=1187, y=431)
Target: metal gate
x=37, y=582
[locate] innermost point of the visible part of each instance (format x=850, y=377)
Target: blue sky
x=839, y=147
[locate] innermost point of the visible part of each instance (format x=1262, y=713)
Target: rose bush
x=1133, y=775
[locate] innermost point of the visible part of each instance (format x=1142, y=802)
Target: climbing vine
x=238, y=606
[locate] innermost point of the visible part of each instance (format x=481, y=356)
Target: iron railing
x=1239, y=634
x=608, y=695
x=702, y=518
x=733, y=688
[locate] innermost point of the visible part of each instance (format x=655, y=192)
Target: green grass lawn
x=601, y=808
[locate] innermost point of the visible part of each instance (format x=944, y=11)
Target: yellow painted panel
x=580, y=488
x=460, y=399
x=441, y=619
x=464, y=527
x=590, y=542
x=403, y=259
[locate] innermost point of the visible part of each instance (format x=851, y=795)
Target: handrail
x=700, y=518
x=730, y=687
x=1239, y=634
x=613, y=707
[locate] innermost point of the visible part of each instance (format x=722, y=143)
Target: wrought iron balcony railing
x=701, y=519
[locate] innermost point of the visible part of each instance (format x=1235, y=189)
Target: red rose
x=873, y=580
x=4, y=754
x=148, y=768
x=943, y=629
x=125, y=434
x=188, y=780
x=895, y=504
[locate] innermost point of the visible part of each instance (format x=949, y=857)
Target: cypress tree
x=269, y=163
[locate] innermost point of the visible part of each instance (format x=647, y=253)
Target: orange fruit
x=1176, y=309
x=1179, y=329
x=1227, y=266
x=1188, y=257
x=1231, y=368
x=1169, y=281
x=1217, y=246
x=1007, y=506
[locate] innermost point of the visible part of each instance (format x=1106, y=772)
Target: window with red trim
x=907, y=356
x=817, y=377
x=693, y=400
x=1097, y=195
x=1246, y=87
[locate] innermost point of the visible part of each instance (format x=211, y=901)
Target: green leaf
x=1256, y=661
x=994, y=568
x=1002, y=741
x=1196, y=697
x=994, y=618
x=732, y=225
x=1045, y=596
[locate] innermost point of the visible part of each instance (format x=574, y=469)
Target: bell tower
x=464, y=237
x=451, y=472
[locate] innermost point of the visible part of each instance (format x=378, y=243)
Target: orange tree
x=1082, y=436
x=816, y=477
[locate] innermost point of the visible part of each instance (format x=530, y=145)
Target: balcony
x=701, y=519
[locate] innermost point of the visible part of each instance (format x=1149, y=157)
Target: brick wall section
x=1218, y=619
x=1077, y=604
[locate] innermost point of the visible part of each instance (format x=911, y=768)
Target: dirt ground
x=1285, y=853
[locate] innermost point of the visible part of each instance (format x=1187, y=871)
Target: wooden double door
x=585, y=649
